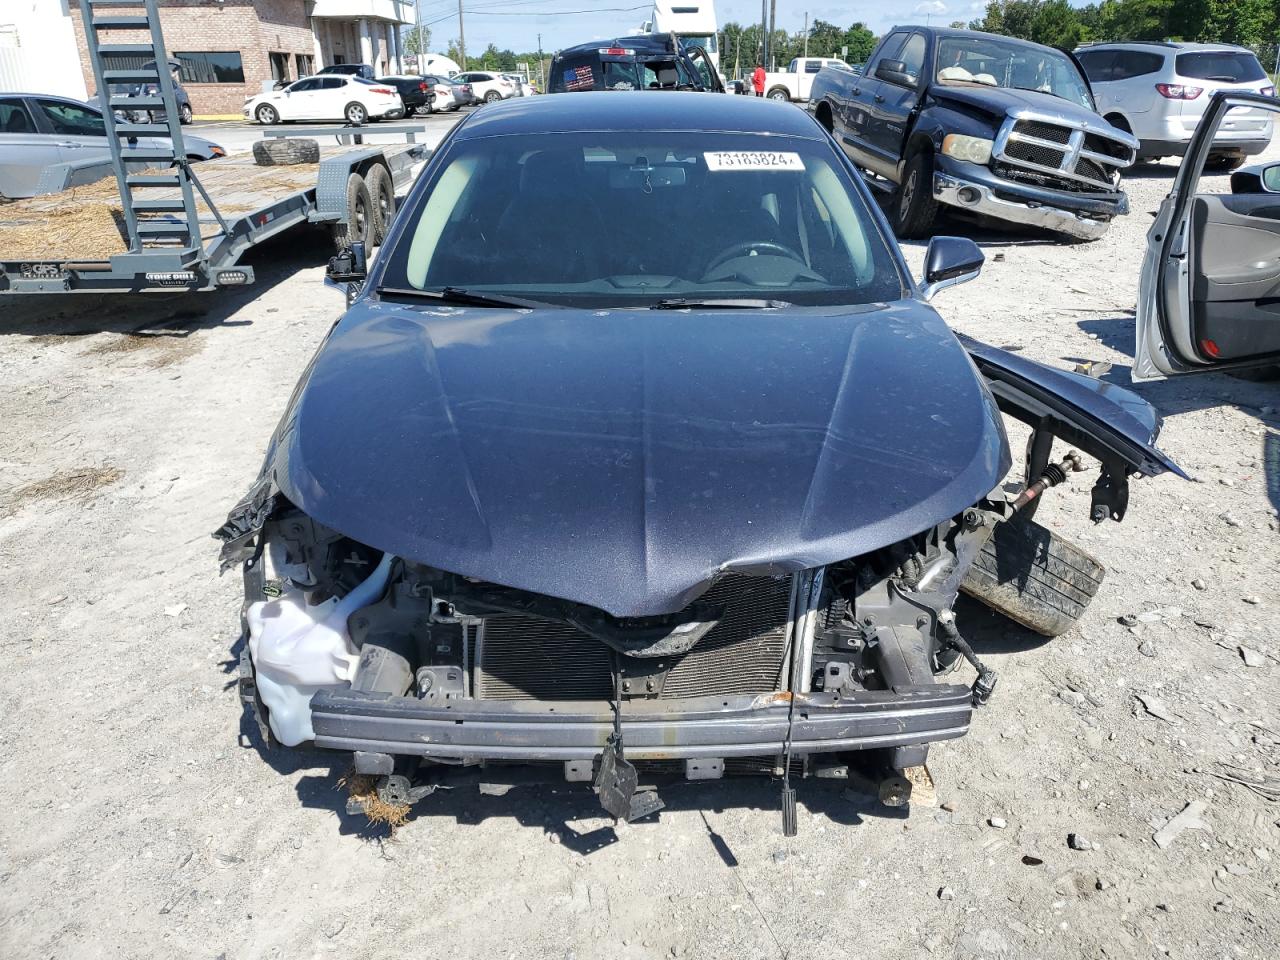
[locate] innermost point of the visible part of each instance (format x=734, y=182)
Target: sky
x=515, y=24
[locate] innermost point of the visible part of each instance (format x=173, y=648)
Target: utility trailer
x=164, y=223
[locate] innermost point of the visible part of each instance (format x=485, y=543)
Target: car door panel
x=892, y=106
x=1209, y=295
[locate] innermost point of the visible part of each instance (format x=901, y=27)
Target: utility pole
x=417, y=8
x=542, y=77
x=806, y=34
x=764, y=34
x=462, y=39
x=773, y=25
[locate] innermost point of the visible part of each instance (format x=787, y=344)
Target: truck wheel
x=285, y=151
x=359, y=215
x=1034, y=577
x=382, y=193
x=914, y=208
x=780, y=93
x=267, y=115
x=355, y=113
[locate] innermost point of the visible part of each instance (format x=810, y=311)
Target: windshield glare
x=967, y=60
x=628, y=219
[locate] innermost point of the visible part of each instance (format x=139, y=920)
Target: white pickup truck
x=795, y=82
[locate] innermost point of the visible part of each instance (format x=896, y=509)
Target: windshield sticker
x=579, y=78
x=752, y=160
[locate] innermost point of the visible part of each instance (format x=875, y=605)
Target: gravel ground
x=144, y=822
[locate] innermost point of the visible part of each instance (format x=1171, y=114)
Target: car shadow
x=176, y=314
x=991, y=632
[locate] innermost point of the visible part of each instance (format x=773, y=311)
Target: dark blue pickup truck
x=999, y=127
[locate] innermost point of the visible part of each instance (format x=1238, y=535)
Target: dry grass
x=360, y=787
x=79, y=483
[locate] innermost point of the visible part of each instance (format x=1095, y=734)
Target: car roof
x=1181, y=46
x=949, y=32
x=641, y=42
x=634, y=111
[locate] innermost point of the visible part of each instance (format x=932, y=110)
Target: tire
x=285, y=151
x=914, y=208
x=185, y=114
x=493, y=96
x=359, y=215
x=780, y=93
x=1034, y=577
x=267, y=115
x=382, y=194
x=1223, y=163
x=356, y=113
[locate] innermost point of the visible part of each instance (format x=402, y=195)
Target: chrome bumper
x=979, y=198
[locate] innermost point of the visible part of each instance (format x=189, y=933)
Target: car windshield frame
x=1009, y=51
x=859, y=264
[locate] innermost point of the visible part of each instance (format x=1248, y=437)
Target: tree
x=417, y=40
x=860, y=41
x=1056, y=24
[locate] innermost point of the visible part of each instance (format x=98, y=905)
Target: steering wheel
x=761, y=245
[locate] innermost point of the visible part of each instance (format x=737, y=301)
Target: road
x=144, y=821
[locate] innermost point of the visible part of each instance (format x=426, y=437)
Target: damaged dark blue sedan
x=640, y=451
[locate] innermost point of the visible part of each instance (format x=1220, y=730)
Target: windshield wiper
x=725, y=303
x=463, y=297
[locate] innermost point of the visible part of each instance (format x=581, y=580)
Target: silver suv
x=1158, y=91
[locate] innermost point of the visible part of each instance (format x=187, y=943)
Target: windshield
x=1224, y=65
x=993, y=63
x=632, y=218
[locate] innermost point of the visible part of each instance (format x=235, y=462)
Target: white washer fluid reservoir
x=298, y=649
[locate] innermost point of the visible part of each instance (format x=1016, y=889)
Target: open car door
x=1209, y=296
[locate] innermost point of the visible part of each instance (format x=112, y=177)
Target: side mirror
x=1271, y=178
x=894, y=71
x=949, y=261
x=348, y=271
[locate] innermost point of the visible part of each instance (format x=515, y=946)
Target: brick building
x=229, y=50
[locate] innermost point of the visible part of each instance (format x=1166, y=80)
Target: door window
x=331, y=83
x=70, y=119
x=14, y=118
x=1099, y=65
x=912, y=56
x=892, y=47
x=1135, y=63
x=812, y=66
x=304, y=86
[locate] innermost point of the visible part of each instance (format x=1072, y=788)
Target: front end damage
x=418, y=672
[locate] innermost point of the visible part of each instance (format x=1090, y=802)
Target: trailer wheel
x=267, y=115
x=382, y=193
x=1034, y=577
x=286, y=151
x=359, y=215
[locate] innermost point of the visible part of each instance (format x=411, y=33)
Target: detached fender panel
x=1105, y=421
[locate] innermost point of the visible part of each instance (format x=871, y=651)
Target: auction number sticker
x=752, y=160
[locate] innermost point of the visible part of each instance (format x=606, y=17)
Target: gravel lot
x=145, y=823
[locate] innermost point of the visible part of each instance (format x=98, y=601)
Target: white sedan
x=329, y=97
x=489, y=87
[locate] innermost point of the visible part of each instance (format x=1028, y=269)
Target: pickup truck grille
x=525, y=658
x=1059, y=155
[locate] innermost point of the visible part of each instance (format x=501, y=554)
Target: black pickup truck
x=996, y=126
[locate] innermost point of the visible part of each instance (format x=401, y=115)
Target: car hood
x=1003, y=101
x=622, y=459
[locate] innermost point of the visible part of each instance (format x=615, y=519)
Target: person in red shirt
x=757, y=80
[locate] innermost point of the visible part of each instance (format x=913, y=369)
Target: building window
x=279, y=66
x=217, y=66
x=306, y=64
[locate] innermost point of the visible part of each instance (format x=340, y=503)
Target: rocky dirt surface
x=143, y=821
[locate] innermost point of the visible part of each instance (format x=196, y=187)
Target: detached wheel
x=355, y=113
x=286, y=151
x=914, y=208
x=267, y=115
x=1034, y=577
x=382, y=194
x=359, y=215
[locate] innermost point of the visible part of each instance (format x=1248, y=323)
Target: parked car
x=517, y=81
x=416, y=93
x=991, y=125
x=464, y=92
x=1210, y=278
x=795, y=83
x=639, y=62
x=446, y=94
x=332, y=97
x=185, y=112
x=350, y=70
x=706, y=495
x=489, y=87
x=38, y=130
x=1159, y=91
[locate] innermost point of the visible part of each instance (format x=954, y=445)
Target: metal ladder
x=168, y=225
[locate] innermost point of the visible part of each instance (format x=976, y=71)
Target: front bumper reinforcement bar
x=735, y=726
